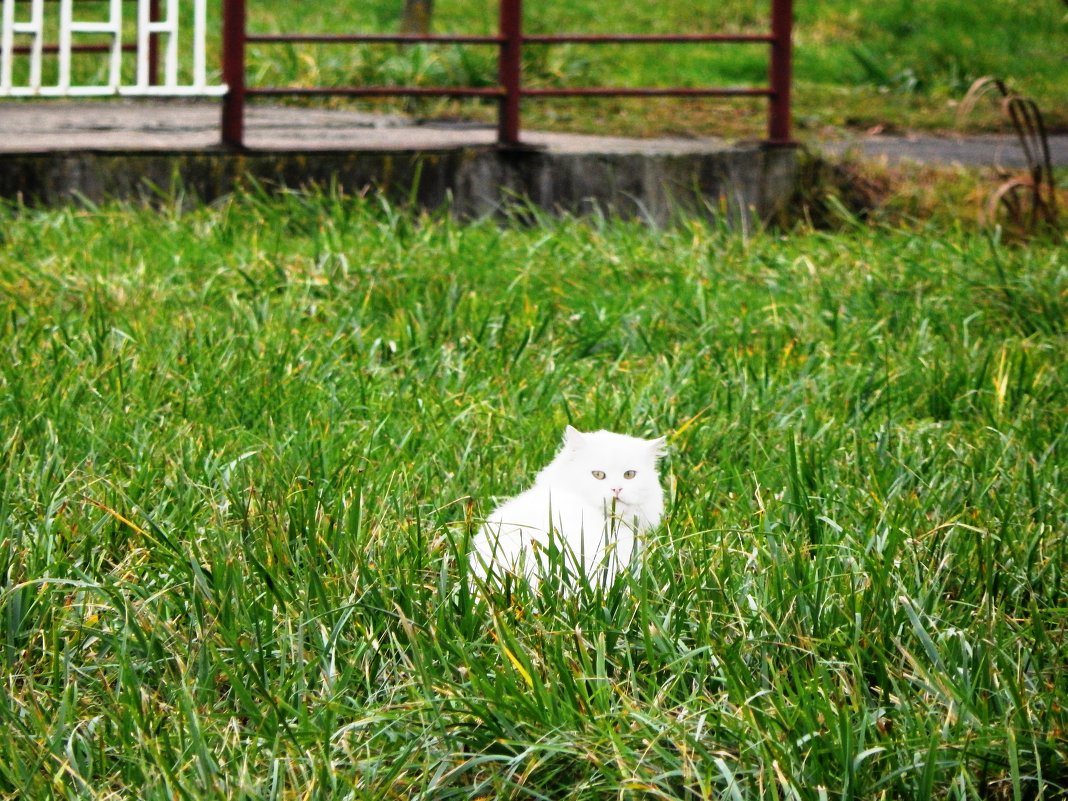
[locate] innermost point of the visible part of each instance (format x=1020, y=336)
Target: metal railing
x=151, y=27
x=510, y=90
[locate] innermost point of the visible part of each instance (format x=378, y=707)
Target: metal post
x=781, y=72
x=153, y=45
x=511, y=29
x=233, y=73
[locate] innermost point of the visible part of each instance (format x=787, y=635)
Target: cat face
x=612, y=469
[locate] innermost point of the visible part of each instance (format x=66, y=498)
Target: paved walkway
x=51, y=126
x=1001, y=150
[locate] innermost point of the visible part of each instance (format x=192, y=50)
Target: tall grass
x=243, y=448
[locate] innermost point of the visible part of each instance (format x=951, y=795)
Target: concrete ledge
x=737, y=182
x=56, y=152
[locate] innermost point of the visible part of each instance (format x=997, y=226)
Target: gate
x=27, y=19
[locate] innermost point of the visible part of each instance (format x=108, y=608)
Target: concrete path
x=52, y=152
x=1001, y=150
x=57, y=151
x=50, y=126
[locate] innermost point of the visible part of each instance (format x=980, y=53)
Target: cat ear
x=572, y=437
x=657, y=446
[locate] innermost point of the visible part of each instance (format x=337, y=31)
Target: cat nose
x=616, y=491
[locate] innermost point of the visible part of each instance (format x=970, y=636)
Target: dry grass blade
x=1026, y=203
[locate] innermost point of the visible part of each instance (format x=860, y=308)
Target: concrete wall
x=737, y=182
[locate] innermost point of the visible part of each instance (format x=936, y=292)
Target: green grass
x=241, y=448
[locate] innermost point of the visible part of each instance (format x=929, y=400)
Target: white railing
x=15, y=28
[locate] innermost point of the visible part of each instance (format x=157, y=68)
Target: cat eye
x=630, y=474
x=598, y=474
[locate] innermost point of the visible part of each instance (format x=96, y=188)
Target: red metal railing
x=510, y=90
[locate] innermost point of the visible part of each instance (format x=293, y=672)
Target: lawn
x=243, y=446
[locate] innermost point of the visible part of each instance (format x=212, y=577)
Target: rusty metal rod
x=614, y=91
x=667, y=38
x=233, y=73
x=373, y=91
x=153, y=45
x=780, y=72
x=53, y=48
x=540, y=39
x=485, y=91
x=376, y=38
x=509, y=71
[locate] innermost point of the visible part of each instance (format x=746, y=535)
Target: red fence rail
x=510, y=91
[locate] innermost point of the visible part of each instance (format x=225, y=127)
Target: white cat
x=598, y=493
